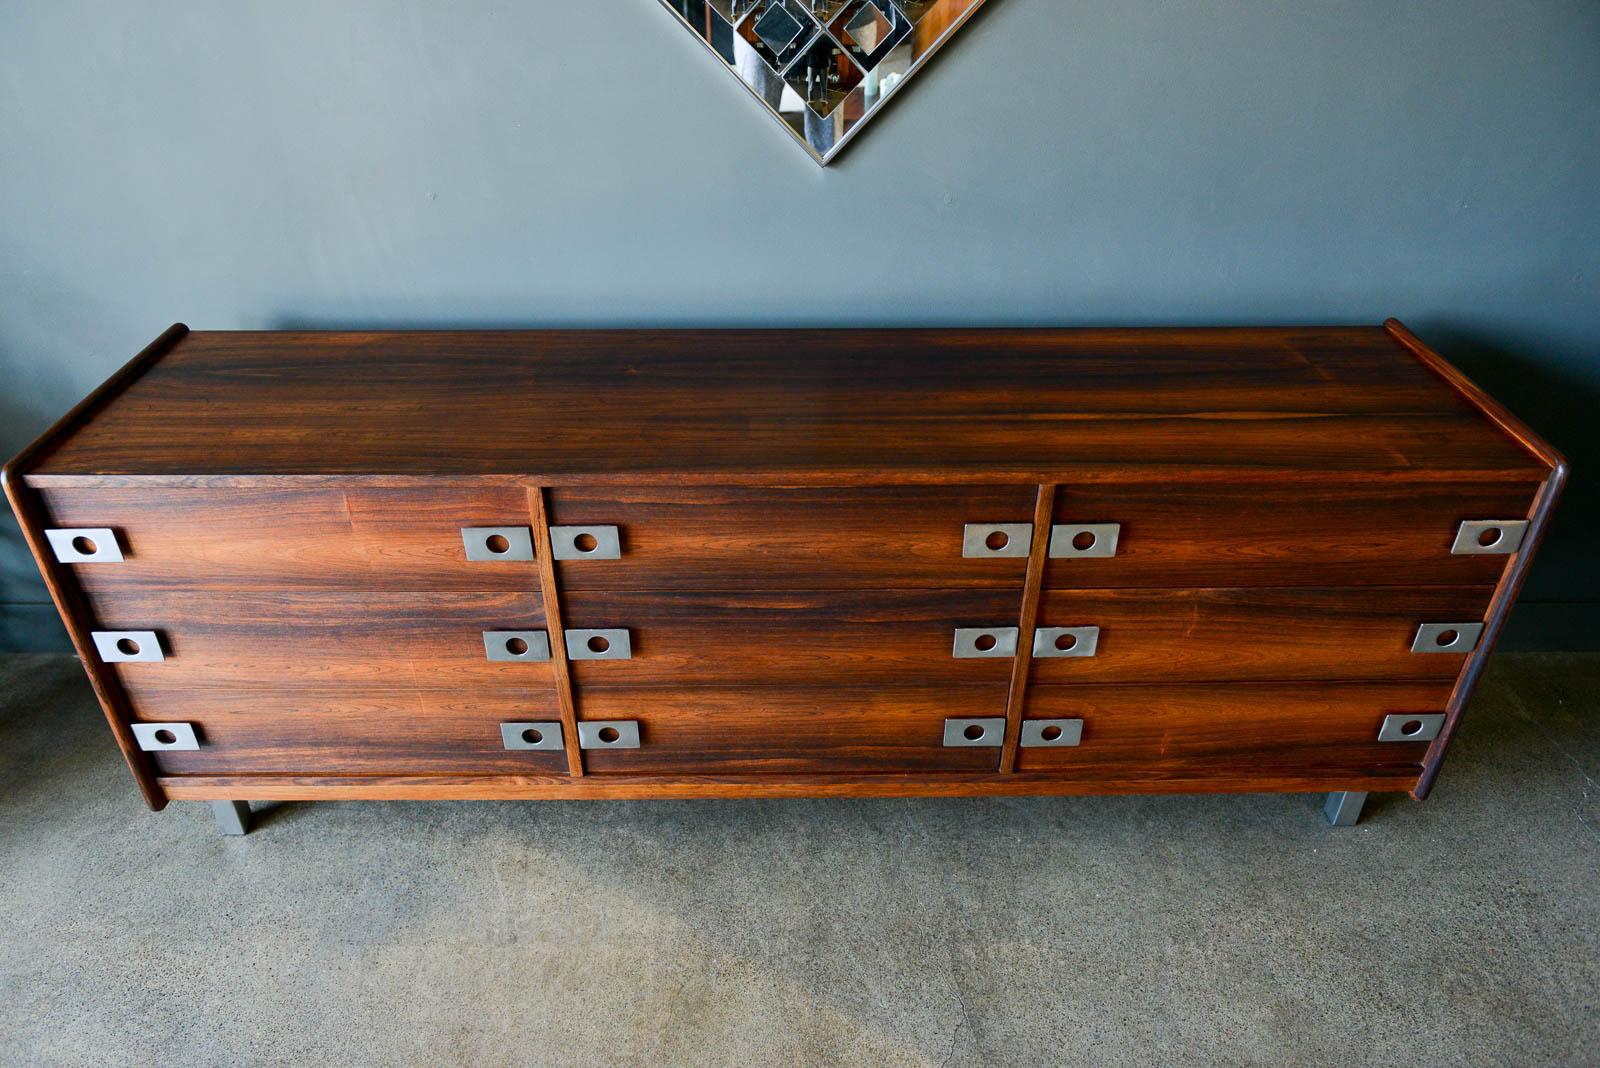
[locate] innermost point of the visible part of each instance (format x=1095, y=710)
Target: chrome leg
x=1344, y=807
x=233, y=817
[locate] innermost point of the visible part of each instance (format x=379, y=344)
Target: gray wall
x=237, y=164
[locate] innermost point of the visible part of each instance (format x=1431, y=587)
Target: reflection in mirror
x=823, y=67
x=868, y=29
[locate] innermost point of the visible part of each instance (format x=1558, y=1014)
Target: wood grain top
x=795, y=406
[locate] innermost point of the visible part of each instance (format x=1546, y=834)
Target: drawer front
x=1267, y=634
x=1301, y=535
x=292, y=639
x=792, y=731
x=808, y=639
x=349, y=730
x=1232, y=730
x=372, y=539
x=792, y=539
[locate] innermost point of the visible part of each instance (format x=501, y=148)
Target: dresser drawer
x=1312, y=534
x=792, y=731
x=1228, y=635
x=356, y=538
x=293, y=640
x=782, y=539
x=369, y=729
x=1231, y=729
x=806, y=638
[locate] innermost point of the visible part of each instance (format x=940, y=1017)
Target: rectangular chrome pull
x=609, y=734
x=1084, y=540
x=171, y=737
x=611, y=644
x=497, y=543
x=995, y=541
x=1411, y=727
x=978, y=642
x=975, y=733
x=1051, y=733
x=1489, y=537
x=585, y=543
x=531, y=736
x=1065, y=641
x=128, y=646
x=1447, y=638
x=517, y=646
x=85, y=545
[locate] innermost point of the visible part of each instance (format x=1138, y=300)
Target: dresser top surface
x=935, y=405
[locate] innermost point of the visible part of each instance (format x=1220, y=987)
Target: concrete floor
x=1105, y=931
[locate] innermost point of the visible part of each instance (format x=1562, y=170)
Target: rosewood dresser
x=784, y=563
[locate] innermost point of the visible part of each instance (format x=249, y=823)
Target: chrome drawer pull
x=1065, y=641
x=1419, y=727
x=1084, y=540
x=615, y=644
x=1447, y=638
x=977, y=642
x=85, y=545
x=1051, y=733
x=517, y=646
x=497, y=543
x=128, y=646
x=1488, y=537
x=993, y=541
x=975, y=733
x=170, y=737
x=609, y=734
x=585, y=543
x=531, y=736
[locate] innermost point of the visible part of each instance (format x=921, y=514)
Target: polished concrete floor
x=1096, y=931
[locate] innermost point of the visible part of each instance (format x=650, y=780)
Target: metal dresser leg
x=1344, y=807
x=233, y=817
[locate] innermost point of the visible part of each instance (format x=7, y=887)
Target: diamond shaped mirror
x=823, y=68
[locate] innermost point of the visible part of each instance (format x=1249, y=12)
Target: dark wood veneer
x=1200, y=636
x=798, y=637
x=1340, y=532
x=1255, y=725
x=791, y=506
x=947, y=406
x=293, y=638
x=349, y=537
x=792, y=731
x=340, y=728
x=771, y=538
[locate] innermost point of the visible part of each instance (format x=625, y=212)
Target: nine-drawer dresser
x=724, y=563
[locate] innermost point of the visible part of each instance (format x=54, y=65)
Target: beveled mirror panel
x=823, y=68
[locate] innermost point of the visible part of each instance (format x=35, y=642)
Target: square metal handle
x=1049, y=642
x=516, y=646
x=975, y=733
x=497, y=543
x=1489, y=537
x=1411, y=727
x=611, y=644
x=609, y=734
x=85, y=545
x=979, y=642
x=585, y=543
x=1051, y=733
x=128, y=646
x=1447, y=638
x=531, y=736
x=993, y=541
x=1083, y=541
x=159, y=737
